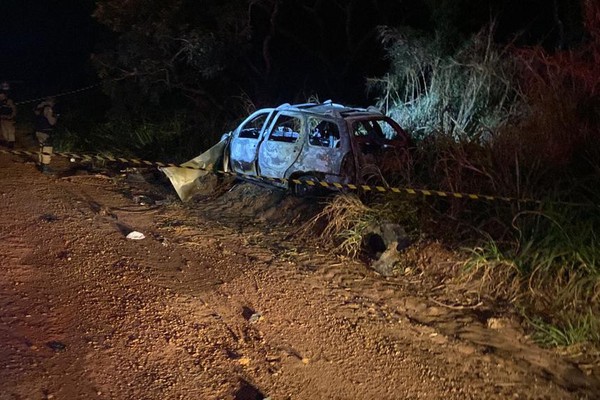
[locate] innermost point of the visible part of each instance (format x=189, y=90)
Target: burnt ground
x=224, y=300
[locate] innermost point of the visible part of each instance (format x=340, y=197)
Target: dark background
x=45, y=45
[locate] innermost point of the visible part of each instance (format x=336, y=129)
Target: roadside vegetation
x=509, y=122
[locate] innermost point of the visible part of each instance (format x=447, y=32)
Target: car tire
x=306, y=190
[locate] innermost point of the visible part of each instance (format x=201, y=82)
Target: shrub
x=518, y=123
x=465, y=94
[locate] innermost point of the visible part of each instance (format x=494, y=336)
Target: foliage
x=516, y=122
x=464, y=95
x=553, y=260
x=572, y=330
x=145, y=139
x=170, y=45
x=173, y=138
x=272, y=50
x=170, y=74
x=196, y=58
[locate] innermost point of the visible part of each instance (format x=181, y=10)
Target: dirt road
x=218, y=302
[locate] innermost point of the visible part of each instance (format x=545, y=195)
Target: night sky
x=46, y=44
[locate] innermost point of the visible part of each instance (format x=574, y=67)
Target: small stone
x=497, y=323
x=135, y=235
x=245, y=361
x=56, y=345
x=254, y=318
x=466, y=349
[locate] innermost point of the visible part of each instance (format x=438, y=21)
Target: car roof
x=328, y=108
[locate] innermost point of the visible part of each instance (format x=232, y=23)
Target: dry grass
x=346, y=219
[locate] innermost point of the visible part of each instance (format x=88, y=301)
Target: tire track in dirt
x=506, y=342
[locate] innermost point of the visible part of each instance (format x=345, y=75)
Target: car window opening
x=286, y=129
x=378, y=131
x=323, y=133
x=252, y=128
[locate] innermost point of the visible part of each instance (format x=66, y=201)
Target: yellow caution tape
x=324, y=184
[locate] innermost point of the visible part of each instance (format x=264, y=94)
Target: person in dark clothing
x=45, y=121
x=8, y=111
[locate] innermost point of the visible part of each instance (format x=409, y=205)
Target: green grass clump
x=567, y=331
x=550, y=268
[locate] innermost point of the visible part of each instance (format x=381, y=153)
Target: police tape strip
x=75, y=91
x=335, y=185
x=83, y=89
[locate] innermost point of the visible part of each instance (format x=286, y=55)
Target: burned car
x=313, y=141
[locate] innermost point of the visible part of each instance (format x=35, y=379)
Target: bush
x=521, y=123
x=464, y=95
x=143, y=139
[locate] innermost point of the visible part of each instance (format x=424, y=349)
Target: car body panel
x=314, y=141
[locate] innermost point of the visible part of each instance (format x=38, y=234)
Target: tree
x=165, y=49
x=272, y=50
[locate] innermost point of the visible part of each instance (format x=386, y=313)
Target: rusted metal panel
x=323, y=160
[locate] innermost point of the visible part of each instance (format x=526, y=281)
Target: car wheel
x=372, y=177
x=305, y=189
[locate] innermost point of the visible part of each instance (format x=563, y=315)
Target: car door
x=380, y=147
x=324, y=149
x=281, y=145
x=243, y=149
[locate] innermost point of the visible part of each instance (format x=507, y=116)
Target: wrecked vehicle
x=313, y=141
